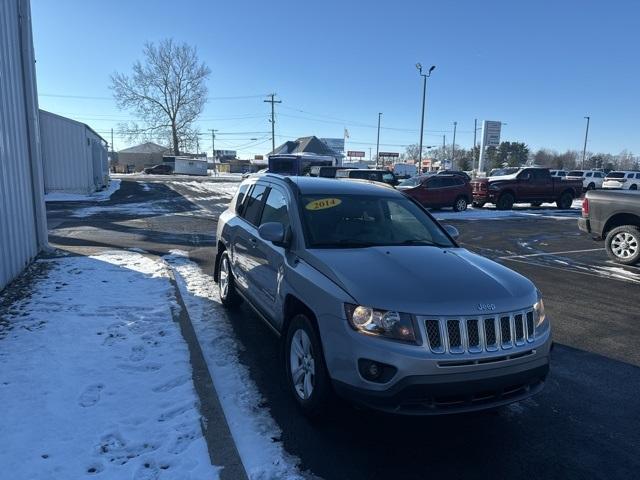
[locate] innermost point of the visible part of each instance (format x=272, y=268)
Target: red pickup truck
x=528, y=185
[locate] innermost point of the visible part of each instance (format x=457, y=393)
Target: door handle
x=254, y=242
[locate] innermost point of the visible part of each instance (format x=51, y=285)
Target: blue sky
x=540, y=66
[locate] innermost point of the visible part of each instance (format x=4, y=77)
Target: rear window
x=615, y=175
x=240, y=197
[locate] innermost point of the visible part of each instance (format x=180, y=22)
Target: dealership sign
x=389, y=154
x=491, y=133
x=355, y=153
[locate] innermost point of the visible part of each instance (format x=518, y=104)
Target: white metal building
x=75, y=157
x=23, y=225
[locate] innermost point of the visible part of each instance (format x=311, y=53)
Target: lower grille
x=475, y=335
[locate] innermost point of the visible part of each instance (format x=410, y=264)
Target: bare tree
x=167, y=92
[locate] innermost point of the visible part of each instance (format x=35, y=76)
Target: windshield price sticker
x=323, y=203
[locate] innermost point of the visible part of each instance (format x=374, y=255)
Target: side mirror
x=452, y=231
x=275, y=233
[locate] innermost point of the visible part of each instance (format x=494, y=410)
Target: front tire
x=536, y=204
x=460, y=204
x=505, y=202
x=226, y=283
x=565, y=201
x=623, y=244
x=633, y=187
x=306, y=371
x=478, y=204
x=591, y=186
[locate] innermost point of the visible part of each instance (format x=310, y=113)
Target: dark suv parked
x=159, y=170
x=382, y=176
x=437, y=191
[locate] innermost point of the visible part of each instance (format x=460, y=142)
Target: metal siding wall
x=19, y=213
x=66, y=155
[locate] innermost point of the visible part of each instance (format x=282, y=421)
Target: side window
x=242, y=191
x=254, y=204
x=387, y=177
x=434, y=182
x=638, y=176
x=275, y=208
x=629, y=175
x=589, y=174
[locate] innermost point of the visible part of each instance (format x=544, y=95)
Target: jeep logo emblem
x=486, y=307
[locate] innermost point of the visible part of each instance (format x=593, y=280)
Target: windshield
x=503, y=171
x=615, y=175
x=356, y=221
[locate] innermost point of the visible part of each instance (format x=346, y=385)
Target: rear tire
x=307, y=376
x=460, y=204
x=633, y=187
x=478, y=204
x=505, y=202
x=565, y=201
x=591, y=186
x=623, y=244
x=226, y=283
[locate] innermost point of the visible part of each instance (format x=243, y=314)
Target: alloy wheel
x=224, y=277
x=303, y=368
x=624, y=245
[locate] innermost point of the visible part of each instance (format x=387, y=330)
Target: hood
x=423, y=280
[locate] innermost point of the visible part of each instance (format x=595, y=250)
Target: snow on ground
x=226, y=189
x=137, y=208
x=101, y=196
x=547, y=210
x=253, y=429
x=95, y=378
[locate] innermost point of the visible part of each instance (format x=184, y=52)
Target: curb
x=220, y=444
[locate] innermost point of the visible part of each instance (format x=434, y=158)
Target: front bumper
x=454, y=392
x=424, y=382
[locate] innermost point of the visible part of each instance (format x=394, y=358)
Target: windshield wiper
x=419, y=242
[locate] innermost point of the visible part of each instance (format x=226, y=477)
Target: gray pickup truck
x=614, y=216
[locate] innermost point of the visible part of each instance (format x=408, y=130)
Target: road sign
x=355, y=153
x=389, y=154
x=491, y=132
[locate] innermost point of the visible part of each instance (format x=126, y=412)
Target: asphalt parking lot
x=583, y=425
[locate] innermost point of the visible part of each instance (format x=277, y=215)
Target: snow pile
x=95, y=377
x=492, y=213
x=225, y=189
x=101, y=196
x=253, y=429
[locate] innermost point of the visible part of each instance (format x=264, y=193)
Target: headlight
x=383, y=323
x=539, y=317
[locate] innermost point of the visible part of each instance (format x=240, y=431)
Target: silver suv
x=376, y=302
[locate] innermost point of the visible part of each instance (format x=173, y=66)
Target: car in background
x=374, y=301
x=614, y=216
x=437, y=191
x=533, y=185
x=382, y=176
x=459, y=173
x=626, y=180
x=161, y=169
x=591, y=179
x=558, y=173
x=324, y=171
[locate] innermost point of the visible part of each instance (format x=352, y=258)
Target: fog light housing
x=376, y=371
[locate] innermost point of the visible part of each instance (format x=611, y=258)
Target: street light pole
x=378, y=141
x=586, y=135
x=424, y=96
x=453, y=146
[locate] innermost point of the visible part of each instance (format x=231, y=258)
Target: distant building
x=74, y=156
x=311, y=145
x=136, y=159
x=23, y=220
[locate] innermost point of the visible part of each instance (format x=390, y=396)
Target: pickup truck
x=614, y=216
x=527, y=185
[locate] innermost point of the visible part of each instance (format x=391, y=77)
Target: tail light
x=585, y=207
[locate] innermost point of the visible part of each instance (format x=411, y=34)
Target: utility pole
x=475, y=133
x=586, y=135
x=273, y=120
x=453, y=146
x=112, y=149
x=424, y=96
x=378, y=141
x=213, y=150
